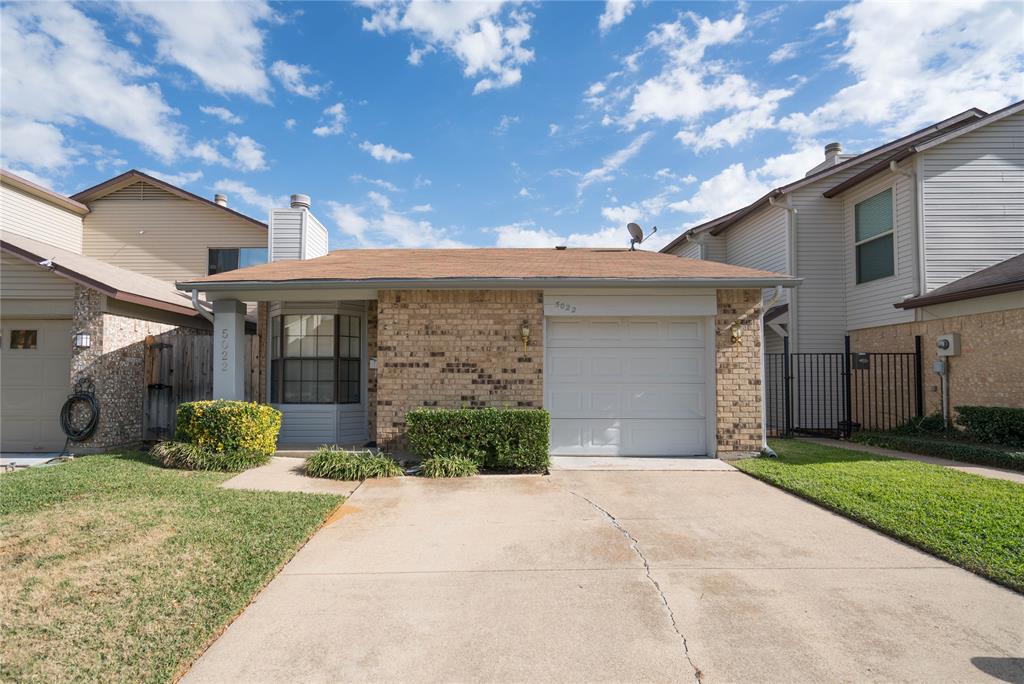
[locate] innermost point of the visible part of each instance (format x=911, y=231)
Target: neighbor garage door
x=627, y=386
x=35, y=370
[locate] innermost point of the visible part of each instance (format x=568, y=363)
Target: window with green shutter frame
x=873, y=237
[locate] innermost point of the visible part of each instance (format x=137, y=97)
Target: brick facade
x=989, y=370
x=456, y=348
x=738, y=372
x=115, y=363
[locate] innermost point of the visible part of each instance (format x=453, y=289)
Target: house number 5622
x=224, y=347
x=565, y=306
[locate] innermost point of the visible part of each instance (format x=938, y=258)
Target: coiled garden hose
x=81, y=402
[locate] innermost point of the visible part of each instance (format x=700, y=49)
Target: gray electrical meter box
x=948, y=345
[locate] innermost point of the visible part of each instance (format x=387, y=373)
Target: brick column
x=738, y=372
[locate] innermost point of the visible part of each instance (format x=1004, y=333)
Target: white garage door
x=627, y=386
x=35, y=371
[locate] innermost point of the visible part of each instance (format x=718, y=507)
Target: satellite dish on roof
x=636, y=234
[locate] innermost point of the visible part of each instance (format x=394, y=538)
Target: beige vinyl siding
x=175, y=236
x=714, y=248
x=40, y=220
x=870, y=304
x=973, y=197
x=760, y=241
x=688, y=249
x=21, y=280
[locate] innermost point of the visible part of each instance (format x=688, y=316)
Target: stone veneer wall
x=738, y=372
x=989, y=370
x=115, y=362
x=456, y=348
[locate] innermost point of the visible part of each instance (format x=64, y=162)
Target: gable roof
x=1006, y=276
x=718, y=225
x=133, y=176
x=113, y=281
x=474, y=268
x=921, y=145
x=45, y=194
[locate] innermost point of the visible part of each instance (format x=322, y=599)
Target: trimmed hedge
x=339, y=464
x=185, y=456
x=509, y=440
x=993, y=424
x=448, y=466
x=227, y=426
x=957, y=450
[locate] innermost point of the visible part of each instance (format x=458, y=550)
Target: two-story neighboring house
x=875, y=235
x=85, y=279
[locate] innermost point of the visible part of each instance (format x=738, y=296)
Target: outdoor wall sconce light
x=737, y=332
x=83, y=340
x=524, y=331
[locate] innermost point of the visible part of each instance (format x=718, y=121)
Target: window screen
x=873, y=235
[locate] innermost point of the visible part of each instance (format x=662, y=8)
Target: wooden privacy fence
x=179, y=368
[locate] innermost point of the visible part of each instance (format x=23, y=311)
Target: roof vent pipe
x=301, y=201
x=833, y=150
x=222, y=200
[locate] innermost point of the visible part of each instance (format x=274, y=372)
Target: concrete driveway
x=613, y=576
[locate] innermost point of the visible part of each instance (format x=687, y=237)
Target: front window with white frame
x=873, y=238
x=315, y=359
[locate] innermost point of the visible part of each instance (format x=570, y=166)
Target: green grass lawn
x=972, y=521
x=115, y=569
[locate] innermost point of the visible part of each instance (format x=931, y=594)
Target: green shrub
x=228, y=426
x=185, y=456
x=510, y=440
x=926, y=425
x=448, y=466
x=993, y=424
x=957, y=450
x=338, y=464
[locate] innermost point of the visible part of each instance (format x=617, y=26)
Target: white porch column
x=229, y=349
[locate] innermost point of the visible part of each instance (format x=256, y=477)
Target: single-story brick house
x=632, y=352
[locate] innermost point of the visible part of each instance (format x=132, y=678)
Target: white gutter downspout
x=918, y=263
x=765, y=449
x=200, y=309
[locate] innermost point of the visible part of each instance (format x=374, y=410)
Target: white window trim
x=892, y=231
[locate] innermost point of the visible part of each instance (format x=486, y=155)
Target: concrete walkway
x=285, y=475
x=613, y=577
x=638, y=463
x=984, y=471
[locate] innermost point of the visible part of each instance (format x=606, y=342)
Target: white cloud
x=784, y=52
x=222, y=113
x=613, y=163
x=382, y=152
x=293, y=78
x=378, y=224
x=505, y=123
x=735, y=187
x=422, y=209
x=335, y=117
x=737, y=127
x=422, y=182
x=32, y=177
x=483, y=36
x=524, y=192
x=180, y=178
x=290, y=124
x=915, y=67
x=247, y=153
x=529, y=234
x=35, y=144
x=668, y=175
x=207, y=152
x=59, y=69
x=615, y=12
x=380, y=183
x=249, y=195
x=221, y=43
x=553, y=129
x=133, y=38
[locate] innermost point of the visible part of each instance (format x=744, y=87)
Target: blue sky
x=512, y=124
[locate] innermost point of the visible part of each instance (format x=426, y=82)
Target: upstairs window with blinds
x=873, y=238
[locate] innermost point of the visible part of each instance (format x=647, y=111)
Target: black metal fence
x=835, y=393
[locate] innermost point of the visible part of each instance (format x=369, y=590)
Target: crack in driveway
x=634, y=544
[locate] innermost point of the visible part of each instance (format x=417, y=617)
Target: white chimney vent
x=833, y=150
x=222, y=200
x=295, y=233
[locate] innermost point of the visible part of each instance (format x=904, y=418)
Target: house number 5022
x=224, y=347
x=565, y=306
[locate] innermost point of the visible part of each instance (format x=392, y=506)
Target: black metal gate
x=835, y=393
